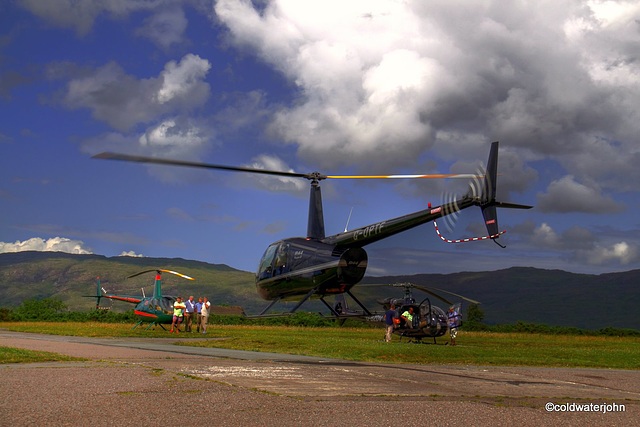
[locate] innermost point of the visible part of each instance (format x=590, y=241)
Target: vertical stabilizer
x=491, y=176
x=157, y=288
x=489, y=192
x=98, y=292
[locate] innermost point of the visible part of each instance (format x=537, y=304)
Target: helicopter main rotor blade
x=142, y=272
x=158, y=270
x=310, y=176
x=160, y=161
x=428, y=290
x=184, y=276
x=454, y=175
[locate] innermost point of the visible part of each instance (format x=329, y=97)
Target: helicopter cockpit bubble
x=265, y=268
x=162, y=304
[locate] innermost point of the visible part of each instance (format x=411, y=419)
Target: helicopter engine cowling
x=352, y=266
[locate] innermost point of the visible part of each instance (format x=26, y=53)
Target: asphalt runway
x=128, y=381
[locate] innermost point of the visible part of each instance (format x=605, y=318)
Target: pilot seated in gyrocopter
x=419, y=320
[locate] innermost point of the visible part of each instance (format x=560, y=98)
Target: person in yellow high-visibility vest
x=178, y=314
x=408, y=317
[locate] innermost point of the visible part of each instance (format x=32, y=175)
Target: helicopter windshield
x=164, y=304
x=265, y=269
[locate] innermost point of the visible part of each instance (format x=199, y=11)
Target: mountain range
x=553, y=297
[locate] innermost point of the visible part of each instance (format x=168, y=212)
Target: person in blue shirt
x=389, y=317
x=199, y=313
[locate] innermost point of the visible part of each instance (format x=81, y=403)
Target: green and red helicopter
x=156, y=309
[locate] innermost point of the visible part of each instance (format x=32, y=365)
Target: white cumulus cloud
x=131, y=254
x=276, y=184
x=184, y=78
x=567, y=195
x=382, y=82
x=56, y=244
x=122, y=100
x=621, y=253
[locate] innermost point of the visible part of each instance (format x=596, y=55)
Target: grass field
x=18, y=355
x=474, y=348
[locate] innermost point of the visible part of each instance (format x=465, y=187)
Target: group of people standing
x=188, y=310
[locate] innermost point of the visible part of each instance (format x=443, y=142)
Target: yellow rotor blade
x=178, y=274
x=456, y=175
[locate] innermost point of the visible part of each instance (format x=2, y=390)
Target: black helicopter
x=429, y=321
x=156, y=309
x=318, y=265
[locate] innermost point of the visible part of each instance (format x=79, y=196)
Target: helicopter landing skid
x=418, y=340
x=150, y=325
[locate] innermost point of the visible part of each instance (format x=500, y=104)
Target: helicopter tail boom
x=486, y=200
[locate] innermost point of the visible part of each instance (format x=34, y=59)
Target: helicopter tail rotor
x=99, y=294
x=483, y=190
x=488, y=202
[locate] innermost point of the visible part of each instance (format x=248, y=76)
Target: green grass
x=18, y=355
x=474, y=348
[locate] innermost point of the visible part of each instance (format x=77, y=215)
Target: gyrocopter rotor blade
x=430, y=292
x=316, y=176
x=158, y=270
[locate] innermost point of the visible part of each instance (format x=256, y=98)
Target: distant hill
x=553, y=297
x=67, y=276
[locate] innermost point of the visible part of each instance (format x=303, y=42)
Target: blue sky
x=362, y=87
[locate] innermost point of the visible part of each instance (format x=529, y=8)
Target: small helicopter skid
x=418, y=340
x=150, y=325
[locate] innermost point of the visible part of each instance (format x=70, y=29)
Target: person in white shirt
x=204, y=315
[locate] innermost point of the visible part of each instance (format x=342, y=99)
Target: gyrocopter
x=428, y=321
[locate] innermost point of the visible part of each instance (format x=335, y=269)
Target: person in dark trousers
x=188, y=314
x=199, y=314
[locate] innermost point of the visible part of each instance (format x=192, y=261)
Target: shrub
x=39, y=309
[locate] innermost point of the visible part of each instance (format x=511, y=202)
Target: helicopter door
x=281, y=264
